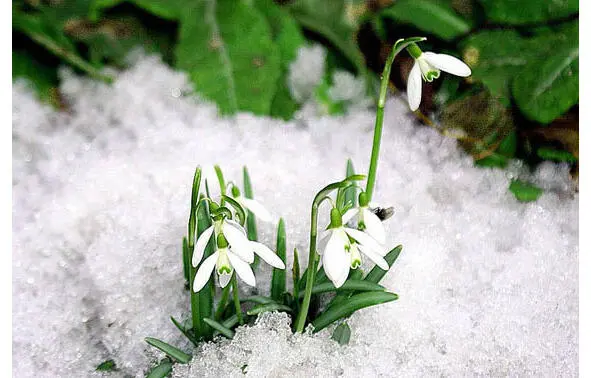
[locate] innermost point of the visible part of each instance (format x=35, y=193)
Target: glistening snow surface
x=488, y=286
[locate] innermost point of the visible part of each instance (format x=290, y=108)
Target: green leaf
x=343, y=295
x=193, y=207
x=351, y=192
x=260, y=299
x=515, y=12
x=161, y=370
x=500, y=158
x=358, y=285
x=342, y=334
x=431, y=16
x=240, y=212
x=548, y=153
x=332, y=20
x=220, y=176
x=184, y=331
x=42, y=77
x=227, y=49
x=251, y=225
x=108, y=365
x=186, y=260
x=278, y=279
x=169, y=350
x=167, y=9
x=295, y=273
x=356, y=302
x=220, y=328
x=283, y=106
x=546, y=89
x=376, y=274
x=202, y=302
x=525, y=192
x=268, y=307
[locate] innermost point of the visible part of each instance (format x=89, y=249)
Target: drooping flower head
x=428, y=66
x=366, y=220
x=341, y=250
x=233, y=252
x=254, y=206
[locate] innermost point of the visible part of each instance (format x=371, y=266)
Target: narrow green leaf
x=193, y=206
x=231, y=322
x=548, y=153
x=343, y=295
x=186, y=260
x=251, y=226
x=260, y=299
x=342, y=334
x=108, y=365
x=221, y=181
x=202, y=302
x=358, y=285
x=227, y=49
x=356, y=302
x=43, y=78
x=169, y=350
x=220, y=328
x=278, y=280
x=525, y=192
x=184, y=331
x=351, y=192
x=295, y=273
x=435, y=17
x=161, y=370
x=268, y=307
x=376, y=274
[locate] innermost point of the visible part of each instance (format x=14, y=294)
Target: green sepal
x=358, y=285
x=172, y=352
x=342, y=334
x=220, y=328
x=376, y=274
x=240, y=213
x=356, y=302
x=269, y=307
x=161, y=370
x=278, y=279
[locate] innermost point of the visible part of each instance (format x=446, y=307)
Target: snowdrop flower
x=256, y=207
x=367, y=221
x=233, y=252
x=341, y=251
x=429, y=65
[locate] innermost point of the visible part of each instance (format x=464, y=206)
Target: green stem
x=303, y=314
x=222, y=304
x=237, y=299
x=377, y=134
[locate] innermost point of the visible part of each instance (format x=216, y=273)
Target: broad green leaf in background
x=227, y=50
x=547, y=88
x=518, y=12
x=43, y=78
x=432, y=16
x=524, y=191
x=288, y=37
x=335, y=20
x=167, y=9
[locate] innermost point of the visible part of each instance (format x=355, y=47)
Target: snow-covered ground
x=488, y=286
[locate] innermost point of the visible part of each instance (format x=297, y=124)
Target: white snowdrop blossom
x=233, y=252
x=428, y=66
x=254, y=206
x=341, y=250
x=366, y=220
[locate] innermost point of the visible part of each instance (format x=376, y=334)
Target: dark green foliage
x=524, y=191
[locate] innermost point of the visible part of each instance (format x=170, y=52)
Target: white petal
x=238, y=242
x=374, y=226
x=200, y=245
x=257, y=209
x=225, y=279
x=379, y=260
x=242, y=268
x=448, y=63
x=366, y=240
x=414, y=87
x=204, y=272
x=236, y=225
x=335, y=259
x=323, y=239
x=349, y=214
x=266, y=254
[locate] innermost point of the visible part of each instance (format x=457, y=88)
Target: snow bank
x=488, y=286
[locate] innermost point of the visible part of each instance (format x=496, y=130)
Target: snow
x=488, y=286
